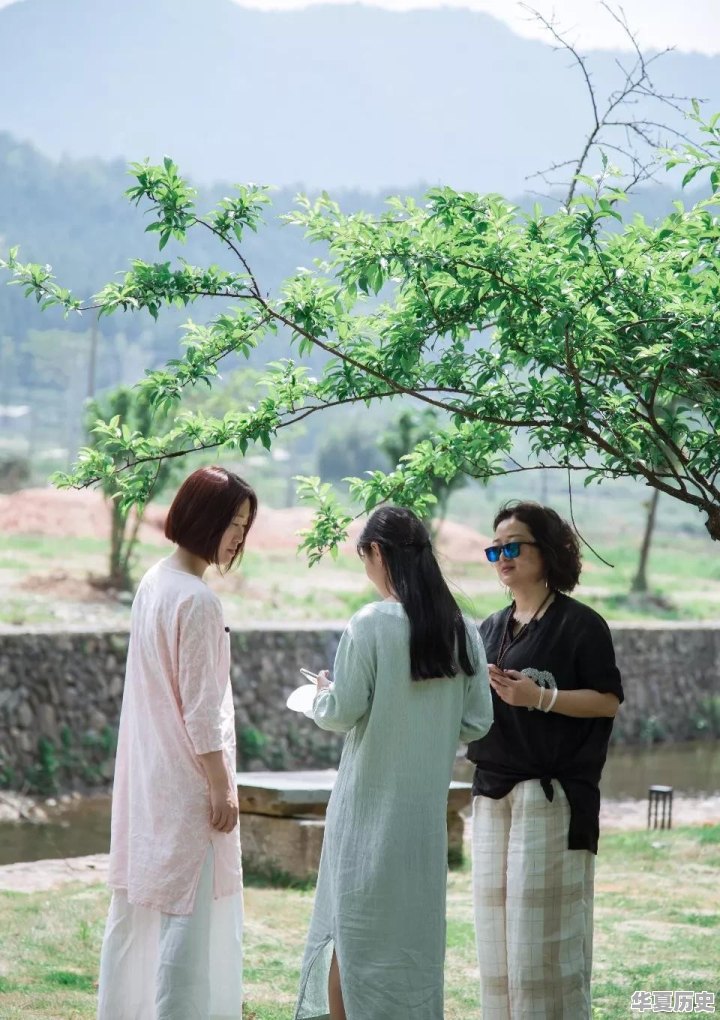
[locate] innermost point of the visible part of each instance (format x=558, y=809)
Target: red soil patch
x=72, y=514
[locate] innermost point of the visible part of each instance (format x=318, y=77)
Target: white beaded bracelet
x=552, y=700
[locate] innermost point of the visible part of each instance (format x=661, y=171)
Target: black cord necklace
x=508, y=640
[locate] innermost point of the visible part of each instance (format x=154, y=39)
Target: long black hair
x=437, y=630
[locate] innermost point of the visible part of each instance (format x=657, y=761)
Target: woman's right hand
x=223, y=796
x=224, y=808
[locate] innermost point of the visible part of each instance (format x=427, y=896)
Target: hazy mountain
x=328, y=96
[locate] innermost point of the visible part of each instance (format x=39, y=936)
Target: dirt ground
x=84, y=514
x=45, y=582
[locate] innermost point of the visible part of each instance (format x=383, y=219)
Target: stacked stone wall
x=60, y=695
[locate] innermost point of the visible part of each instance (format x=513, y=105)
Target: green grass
x=19, y=612
x=277, y=586
x=48, y=547
x=656, y=927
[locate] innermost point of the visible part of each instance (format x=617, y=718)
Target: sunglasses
x=511, y=550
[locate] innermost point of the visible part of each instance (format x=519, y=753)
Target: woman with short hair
x=173, y=941
x=409, y=683
x=556, y=690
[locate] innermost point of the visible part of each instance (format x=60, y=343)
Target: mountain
x=326, y=96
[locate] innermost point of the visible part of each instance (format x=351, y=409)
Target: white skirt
x=156, y=966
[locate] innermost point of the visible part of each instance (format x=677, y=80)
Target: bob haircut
x=203, y=509
x=438, y=645
x=556, y=539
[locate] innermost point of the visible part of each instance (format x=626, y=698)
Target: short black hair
x=557, y=541
x=203, y=509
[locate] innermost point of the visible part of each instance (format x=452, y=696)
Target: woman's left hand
x=514, y=688
x=323, y=680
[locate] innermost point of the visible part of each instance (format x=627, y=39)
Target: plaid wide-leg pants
x=533, y=901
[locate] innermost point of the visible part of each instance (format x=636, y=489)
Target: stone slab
x=290, y=847
x=283, y=820
x=281, y=847
x=285, y=794
x=299, y=794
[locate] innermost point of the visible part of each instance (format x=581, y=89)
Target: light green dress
x=380, y=900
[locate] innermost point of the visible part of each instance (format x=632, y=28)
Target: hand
x=323, y=680
x=224, y=808
x=514, y=688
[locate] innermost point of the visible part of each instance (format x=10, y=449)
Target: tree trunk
x=129, y=547
x=713, y=522
x=118, y=574
x=640, y=583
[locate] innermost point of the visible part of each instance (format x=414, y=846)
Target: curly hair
x=557, y=541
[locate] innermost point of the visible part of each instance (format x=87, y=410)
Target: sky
x=686, y=24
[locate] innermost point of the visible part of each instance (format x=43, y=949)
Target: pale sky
x=685, y=24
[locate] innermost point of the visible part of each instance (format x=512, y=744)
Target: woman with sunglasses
x=556, y=689
x=173, y=940
x=410, y=682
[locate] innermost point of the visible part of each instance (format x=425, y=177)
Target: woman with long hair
x=173, y=940
x=556, y=690
x=409, y=683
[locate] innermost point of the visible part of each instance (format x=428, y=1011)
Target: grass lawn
x=44, y=581
x=657, y=927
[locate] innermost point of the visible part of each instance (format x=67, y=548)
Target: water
x=83, y=828
x=692, y=769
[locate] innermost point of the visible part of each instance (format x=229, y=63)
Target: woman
x=173, y=942
x=556, y=689
x=410, y=682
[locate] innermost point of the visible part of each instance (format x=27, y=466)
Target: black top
x=570, y=647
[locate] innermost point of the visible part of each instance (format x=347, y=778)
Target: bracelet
x=552, y=700
x=540, y=699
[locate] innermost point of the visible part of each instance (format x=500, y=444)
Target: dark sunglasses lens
x=493, y=553
x=511, y=550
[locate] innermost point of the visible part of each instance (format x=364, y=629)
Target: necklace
x=508, y=640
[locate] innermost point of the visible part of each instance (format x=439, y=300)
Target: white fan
x=301, y=699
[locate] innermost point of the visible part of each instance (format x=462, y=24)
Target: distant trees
x=349, y=451
x=119, y=414
x=405, y=434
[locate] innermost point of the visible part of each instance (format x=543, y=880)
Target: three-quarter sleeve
x=595, y=666
x=200, y=631
x=340, y=706
x=477, y=714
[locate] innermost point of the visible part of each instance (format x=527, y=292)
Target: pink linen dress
x=177, y=704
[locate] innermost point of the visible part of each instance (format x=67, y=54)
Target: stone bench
x=283, y=819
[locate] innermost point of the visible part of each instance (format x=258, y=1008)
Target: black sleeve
x=595, y=666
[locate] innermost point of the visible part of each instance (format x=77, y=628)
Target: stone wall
x=671, y=678
x=60, y=697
